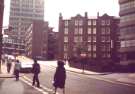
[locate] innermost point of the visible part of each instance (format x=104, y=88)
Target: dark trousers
x=8, y=67
x=17, y=74
x=36, y=79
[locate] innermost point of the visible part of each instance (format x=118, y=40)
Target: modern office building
x=127, y=31
x=95, y=38
x=40, y=41
x=22, y=14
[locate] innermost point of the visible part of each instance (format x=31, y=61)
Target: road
x=81, y=84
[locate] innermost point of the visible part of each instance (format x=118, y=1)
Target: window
x=89, y=55
x=102, y=31
x=107, y=30
x=108, y=48
x=108, y=39
x=123, y=44
x=94, y=30
x=76, y=31
x=103, y=38
x=75, y=39
x=103, y=48
x=89, y=47
x=66, y=31
x=89, y=30
x=66, y=23
x=94, y=38
x=108, y=55
x=107, y=22
x=65, y=48
x=89, y=22
x=80, y=31
x=94, y=55
x=89, y=38
x=76, y=22
x=103, y=22
x=94, y=22
x=80, y=39
x=80, y=22
x=65, y=39
x=94, y=47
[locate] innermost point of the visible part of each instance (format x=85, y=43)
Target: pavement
x=4, y=73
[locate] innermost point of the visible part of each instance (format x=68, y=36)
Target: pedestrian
x=9, y=64
x=17, y=69
x=59, y=77
x=36, y=71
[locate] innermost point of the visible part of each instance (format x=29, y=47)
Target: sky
x=70, y=8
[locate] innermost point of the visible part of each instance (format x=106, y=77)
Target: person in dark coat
x=60, y=77
x=36, y=71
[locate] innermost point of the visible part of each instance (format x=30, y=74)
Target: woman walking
x=60, y=77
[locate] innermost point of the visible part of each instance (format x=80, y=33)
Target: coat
x=60, y=77
x=36, y=68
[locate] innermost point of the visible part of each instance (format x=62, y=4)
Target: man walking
x=9, y=64
x=36, y=71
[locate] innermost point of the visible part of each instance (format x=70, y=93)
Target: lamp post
x=1, y=24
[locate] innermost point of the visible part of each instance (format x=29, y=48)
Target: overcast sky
x=70, y=8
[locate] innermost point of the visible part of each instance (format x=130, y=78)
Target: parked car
x=26, y=64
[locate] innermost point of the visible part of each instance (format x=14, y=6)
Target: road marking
x=38, y=89
x=43, y=88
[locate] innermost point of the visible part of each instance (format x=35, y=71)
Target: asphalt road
x=82, y=84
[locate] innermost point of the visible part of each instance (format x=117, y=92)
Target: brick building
x=95, y=38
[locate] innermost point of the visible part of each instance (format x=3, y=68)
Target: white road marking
x=38, y=89
x=43, y=89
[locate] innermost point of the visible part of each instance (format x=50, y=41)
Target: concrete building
x=95, y=38
x=38, y=42
x=22, y=14
x=127, y=31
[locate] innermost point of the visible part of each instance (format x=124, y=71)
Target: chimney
x=97, y=14
x=86, y=14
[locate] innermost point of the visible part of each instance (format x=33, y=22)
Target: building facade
x=95, y=38
x=127, y=28
x=22, y=14
x=36, y=39
x=1, y=27
x=39, y=40
x=10, y=46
